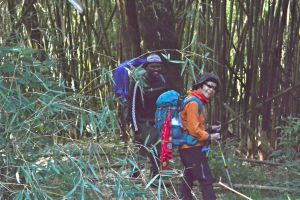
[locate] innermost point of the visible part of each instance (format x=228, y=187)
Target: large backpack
x=121, y=77
x=172, y=102
x=169, y=125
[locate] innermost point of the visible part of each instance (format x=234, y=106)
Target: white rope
x=133, y=107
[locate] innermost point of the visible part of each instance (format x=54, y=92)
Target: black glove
x=214, y=131
x=214, y=128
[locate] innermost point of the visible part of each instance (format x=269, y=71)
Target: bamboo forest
x=63, y=134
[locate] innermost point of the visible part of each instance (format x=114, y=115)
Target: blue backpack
x=172, y=101
x=121, y=77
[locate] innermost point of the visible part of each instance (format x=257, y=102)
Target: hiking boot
x=135, y=174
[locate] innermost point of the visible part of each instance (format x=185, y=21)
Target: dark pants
x=196, y=168
x=147, y=138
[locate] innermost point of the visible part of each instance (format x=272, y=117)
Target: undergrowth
x=284, y=177
x=53, y=145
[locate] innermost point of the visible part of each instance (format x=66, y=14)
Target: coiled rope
x=133, y=107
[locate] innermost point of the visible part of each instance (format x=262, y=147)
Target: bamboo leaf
x=177, y=61
x=93, y=171
x=18, y=177
x=27, y=196
x=82, y=190
x=166, y=56
x=93, y=187
x=82, y=123
x=70, y=193
x=185, y=65
x=151, y=181
x=133, y=164
x=19, y=196
x=54, y=167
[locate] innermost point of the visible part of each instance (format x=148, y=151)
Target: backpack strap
x=189, y=99
x=159, y=88
x=162, y=78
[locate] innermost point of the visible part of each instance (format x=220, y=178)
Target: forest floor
x=255, y=180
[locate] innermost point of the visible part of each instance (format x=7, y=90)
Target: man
x=144, y=94
x=193, y=158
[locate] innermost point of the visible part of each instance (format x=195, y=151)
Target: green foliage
x=248, y=173
x=39, y=159
x=192, y=64
x=289, y=141
x=289, y=152
x=37, y=116
x=40, y=123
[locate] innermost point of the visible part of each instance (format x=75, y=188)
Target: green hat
x=206, y=77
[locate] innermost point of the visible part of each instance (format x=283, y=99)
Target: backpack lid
x=169, y=98
x=136, y=62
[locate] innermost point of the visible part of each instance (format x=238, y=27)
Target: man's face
x=153, y=69
x=208, y=89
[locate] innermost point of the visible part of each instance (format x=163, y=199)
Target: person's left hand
x=216, y=127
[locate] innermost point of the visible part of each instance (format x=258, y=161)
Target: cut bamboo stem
x=229, y=188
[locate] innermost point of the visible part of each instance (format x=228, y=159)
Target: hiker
x=143, y=95
x=193, y=158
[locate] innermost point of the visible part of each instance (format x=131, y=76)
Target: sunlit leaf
x=18, y=177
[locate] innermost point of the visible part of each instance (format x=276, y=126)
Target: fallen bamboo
x=263, y=162
x=176, y=181
x=265, y=187
x=233, y=190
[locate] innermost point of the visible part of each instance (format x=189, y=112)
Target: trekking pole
x=225, y=165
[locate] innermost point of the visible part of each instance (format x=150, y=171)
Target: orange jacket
x=194, y=122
